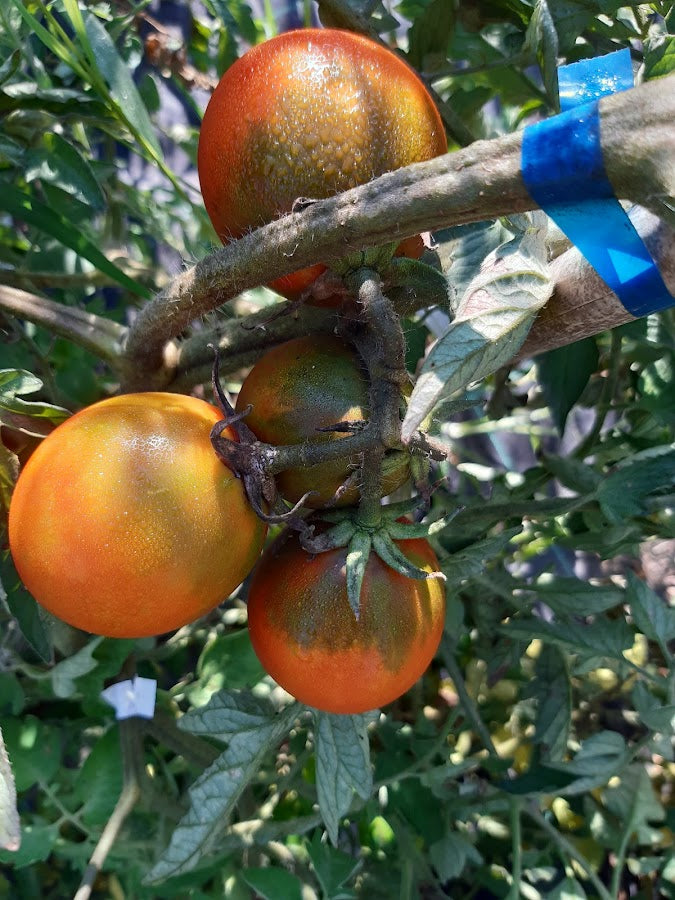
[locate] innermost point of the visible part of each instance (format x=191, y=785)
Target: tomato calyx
x=361, y=540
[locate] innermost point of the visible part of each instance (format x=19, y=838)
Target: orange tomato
x=309, y=113
x=307, y=638
x=125, y=523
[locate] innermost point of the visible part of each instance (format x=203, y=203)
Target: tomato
x=308, y=639
x=309, y=113
x=305, y=384
x=125, y=523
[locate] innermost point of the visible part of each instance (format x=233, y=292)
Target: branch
x=240, y=341
x=98, y=334
x=480, y=182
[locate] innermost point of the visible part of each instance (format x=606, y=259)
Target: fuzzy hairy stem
x=241, y=340
x=480, y=182
x=292, y=456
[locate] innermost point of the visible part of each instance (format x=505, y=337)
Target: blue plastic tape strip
x=564, y=172
x=591, y=79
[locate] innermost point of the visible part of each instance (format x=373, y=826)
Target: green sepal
x=393, y=511
x=403, y=531
x=357, y=560
x=337, y=536
x=393, y=557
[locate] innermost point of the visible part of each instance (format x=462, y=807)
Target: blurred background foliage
x=535, y=758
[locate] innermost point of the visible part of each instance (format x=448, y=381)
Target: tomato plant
x=309, y=114
x=300, y=386
x=535, y=758
x=124, y=522
x=307, y=637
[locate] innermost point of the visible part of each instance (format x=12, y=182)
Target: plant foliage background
x=535, y=758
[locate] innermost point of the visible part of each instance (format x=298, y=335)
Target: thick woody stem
x=479, y=182
x=383, y=351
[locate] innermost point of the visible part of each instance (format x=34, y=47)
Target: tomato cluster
x=126, y=523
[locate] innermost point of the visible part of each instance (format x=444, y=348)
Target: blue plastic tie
x=564, y=172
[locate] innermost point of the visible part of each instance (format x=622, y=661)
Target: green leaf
x=27, y=209
x=99, y=781
x=651, y=710
x=463, y=250
x=574, y=597
x=599, y=757
x=64, y=674
x=251, y=729
x=30, y=617
x=659, y=49
x=332, y=868
x=621, y=493
x=228, y=661
x=342, y=765
x=431, y=34
x=9, y=472
x=552, y=690
x=598, y=752
x=26, y=95
x=567, y=889
x=492, y=322
x=60, y=163
x=19, y=381
x=564, y=374
x=11, y=151
x=450, y=855
x=272, y=883
x=542, y=39
x=651, y=614
x=10, y=831
x=635, y=804
x=35, y=750
x=471, y=561
x=58, y=43
x=603, y=637
x=105, y=58
x=412, y=284
x=9, y=66
x=573, y=474
x=37, y=842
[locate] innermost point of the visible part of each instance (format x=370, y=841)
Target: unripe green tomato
x=305, y=384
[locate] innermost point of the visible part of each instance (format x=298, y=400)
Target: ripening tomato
x=125, y=523
x=309, y=113
x=308, y=639
x=305, y=384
